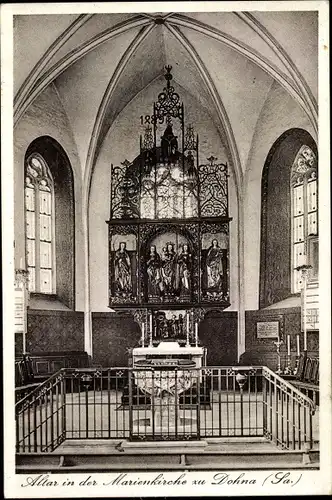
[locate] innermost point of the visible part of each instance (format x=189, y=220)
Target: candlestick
x=143, y=327
x=297, y=344
x=196, y=334
x=187, y=343
x=278, y=344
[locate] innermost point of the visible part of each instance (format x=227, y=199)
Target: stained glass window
x=304, y=191
x=39, y=221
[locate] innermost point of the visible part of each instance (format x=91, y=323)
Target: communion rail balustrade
x=163, y=403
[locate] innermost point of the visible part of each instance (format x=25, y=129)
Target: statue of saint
x=174, y=327
x=214, y=267
x=169, y=144
x=183, y=265
x=168, y=268
x=122, y=270
x=153, y=272
x=181, y=325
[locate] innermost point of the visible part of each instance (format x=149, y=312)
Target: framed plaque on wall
x=270, y=328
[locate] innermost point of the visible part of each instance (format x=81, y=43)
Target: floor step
x=102, y=457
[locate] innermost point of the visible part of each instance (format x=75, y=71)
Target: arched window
x=50, y=223
x=289, y=218
x=40, y=226
x=304, y=193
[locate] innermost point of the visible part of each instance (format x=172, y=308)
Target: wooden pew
x=34, y=368
x=24, y=377
x=306, y=378
x=44, y=364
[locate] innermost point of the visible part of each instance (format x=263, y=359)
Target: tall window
x=289, y=218
x=40, y=225
x=304, y=192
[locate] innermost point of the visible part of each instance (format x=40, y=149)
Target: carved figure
x=122, y=270
x=181, y=325
x=214, y=267
x=153, y=271
x=168, y=268
x=169, y=144
x=183, y=265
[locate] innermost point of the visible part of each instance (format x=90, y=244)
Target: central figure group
x=169, y=273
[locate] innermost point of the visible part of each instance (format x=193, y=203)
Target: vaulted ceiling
x=228, y=61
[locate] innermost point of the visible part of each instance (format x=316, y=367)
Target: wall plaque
x=267, y=329
x=20, y=301
x=19, y=311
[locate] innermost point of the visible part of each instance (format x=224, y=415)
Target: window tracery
x=304, y=189
x=39, y=220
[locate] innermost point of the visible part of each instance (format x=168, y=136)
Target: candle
x=288, y=345
x=188, y=320
x=298, y=345
x=21, y=263
x=143, y=326
x=196, y=333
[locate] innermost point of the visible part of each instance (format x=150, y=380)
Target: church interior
x=166, y=229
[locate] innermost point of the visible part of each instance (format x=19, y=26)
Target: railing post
x=152, y=403
x=276, y=411
x=176, y=403
x=52, y=419
x=198, y=406
x=241, y=379
x=130, y=386
x=35, y=435
x=86, y=410
x=63, y=404
x=310, y=429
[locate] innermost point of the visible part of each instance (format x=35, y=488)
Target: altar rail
x=163, y=404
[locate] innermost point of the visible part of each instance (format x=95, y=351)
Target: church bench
x=45, y=364
x=34, y=368
x=24, y=377
x=306, y=378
